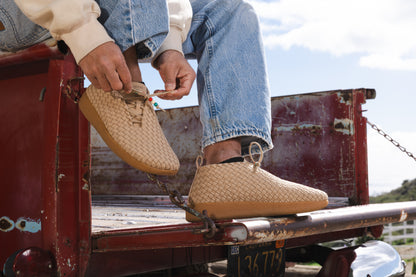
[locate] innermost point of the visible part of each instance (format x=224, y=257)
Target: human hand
x=106, y=68
x=176, y=73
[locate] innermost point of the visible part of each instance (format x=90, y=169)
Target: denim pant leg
x=233, y=90
x=19, y=32
x=142, y=23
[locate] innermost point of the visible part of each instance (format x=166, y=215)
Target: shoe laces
x=257, y=163
x=135, y=101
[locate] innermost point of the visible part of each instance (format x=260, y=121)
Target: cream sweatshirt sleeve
x=180, y=18
x=75, y=22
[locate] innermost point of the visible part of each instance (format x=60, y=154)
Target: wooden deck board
x=112, y=212
x=126, y=212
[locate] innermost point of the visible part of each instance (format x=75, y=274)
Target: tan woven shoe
x=129, y=126
x=242, y=190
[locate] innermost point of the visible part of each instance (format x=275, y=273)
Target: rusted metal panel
x=44, y=159
x=66, y=192
x=39, y=52
x=110, y=175
x=21, y=141
x=316, y=142
x=126, y=263
x=319, y=138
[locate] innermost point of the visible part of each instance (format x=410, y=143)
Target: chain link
x=394, y=142
x=72, y=94
x=209, y=230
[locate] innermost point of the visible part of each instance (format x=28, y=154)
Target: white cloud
x=382, y=32
x=388, y=167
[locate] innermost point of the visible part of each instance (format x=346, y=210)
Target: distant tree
x=407, y=192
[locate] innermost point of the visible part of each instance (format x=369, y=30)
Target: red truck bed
x=65, y=192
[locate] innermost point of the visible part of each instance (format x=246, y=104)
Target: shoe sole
x=92, y=116
x=234, y=210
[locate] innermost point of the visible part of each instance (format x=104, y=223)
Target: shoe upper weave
x=243, y=182
x=132, y=122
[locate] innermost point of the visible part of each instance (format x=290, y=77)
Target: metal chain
x=74, y=95
x=389, y=138
x=209, y=230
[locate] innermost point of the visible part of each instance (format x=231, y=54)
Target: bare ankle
x=132, y=63
x=223, y=150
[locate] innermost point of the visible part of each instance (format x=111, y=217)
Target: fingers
x=176, y=73
x=125, y=77
x=182, y=88
x=106, y=68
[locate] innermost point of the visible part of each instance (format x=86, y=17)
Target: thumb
x=170, y=79
x=170, y=85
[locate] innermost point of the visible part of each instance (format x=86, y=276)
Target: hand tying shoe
x=128, y=124
x=243, y=189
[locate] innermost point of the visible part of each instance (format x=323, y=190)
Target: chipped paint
x=23, y=224
x=239, y=234
x=344, y=125
x=403, y=216
x=297, y=127
x=28, y=225
x=344, y=97
x=60, y=176
x=6, y=224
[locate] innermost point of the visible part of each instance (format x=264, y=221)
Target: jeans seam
x=131, y=24
x=26, y=39
x=210, y=98
x=12, y=24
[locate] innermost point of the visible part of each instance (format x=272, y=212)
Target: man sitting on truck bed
x=108, y=38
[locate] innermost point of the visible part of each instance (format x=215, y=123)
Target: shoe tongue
x=139, y=92
x=131, y=96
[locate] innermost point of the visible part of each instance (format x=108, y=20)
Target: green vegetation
x=407, y=192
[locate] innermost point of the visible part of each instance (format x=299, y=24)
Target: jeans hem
x=247, y=135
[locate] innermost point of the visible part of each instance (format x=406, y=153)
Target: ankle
x=130, y=57
x=223, y=150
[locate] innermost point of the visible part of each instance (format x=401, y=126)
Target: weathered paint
x=28, y=225
x=44, y=158
x=296, y=127
x=6, y=224
x=256, y=230
x=344, y=98
x=344, y=126
x=403, y=216
x=23, y=224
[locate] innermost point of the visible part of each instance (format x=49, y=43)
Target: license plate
x=257, y=260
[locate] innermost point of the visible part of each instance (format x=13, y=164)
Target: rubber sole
x=92, y=116
x=234, y=210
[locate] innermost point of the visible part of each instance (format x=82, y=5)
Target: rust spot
x=22, y=224
x=346, y=96
x=2, y=26
x=6, y=224
x=68, y=242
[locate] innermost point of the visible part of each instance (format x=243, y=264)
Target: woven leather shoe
x=128, y=125
x=243, y=190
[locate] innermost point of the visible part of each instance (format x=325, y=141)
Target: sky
x=318, y=45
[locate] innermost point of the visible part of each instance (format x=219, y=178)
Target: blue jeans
x=233, y=91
